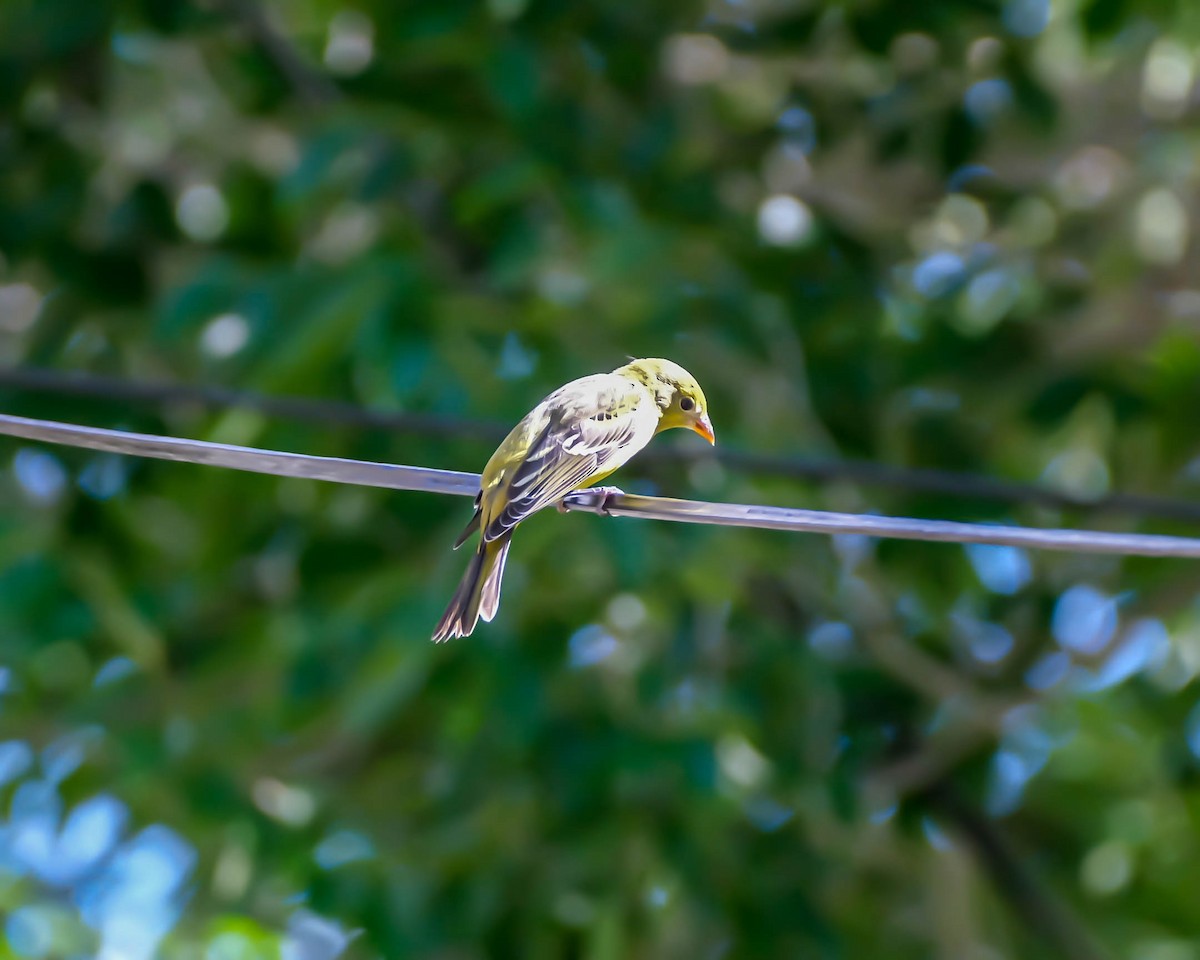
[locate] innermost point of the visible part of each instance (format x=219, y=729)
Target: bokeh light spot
x=30, y=931
x=935, y=835
x=1161, y=228
x=990, y=642
x=1084, y=620
x=20, y=304
x=16, y=760
x=626, y=612
x=294, y=806
x=914, y=52
x=987, y=100
x=342, y=847
x=202, y=212
x=740, y=761
x=938, y=274
x=1002, y=569
x=1089, y=177
x=104, y=476
x=695, y=58
x=311, y=937
x=1167, y=79
x=350, y=45
x=784, y=221
x=832, y=640
x=1026, y=18
x=517, y=361
x=799, y=128
x=1048, y=671
x=224, y=335
x=766, y=814
x=1107, y=868
x=1144, y=646
x=591, y=645
x=40, y=475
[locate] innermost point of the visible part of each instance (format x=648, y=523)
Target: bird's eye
x=686, y=404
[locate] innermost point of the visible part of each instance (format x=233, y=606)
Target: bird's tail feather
x=489, y=594
x=478, y=593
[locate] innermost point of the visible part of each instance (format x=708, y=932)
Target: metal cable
x=401, y=477
x=347, y=415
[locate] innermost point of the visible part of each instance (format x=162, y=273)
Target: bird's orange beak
x=703, y=426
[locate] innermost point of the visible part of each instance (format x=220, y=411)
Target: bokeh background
x=930, y=259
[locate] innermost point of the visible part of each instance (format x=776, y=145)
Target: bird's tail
x=478, y=593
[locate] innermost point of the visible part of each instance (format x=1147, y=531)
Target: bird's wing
x=583, y=430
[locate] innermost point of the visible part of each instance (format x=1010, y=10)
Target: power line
x=363, y=473
x=302, y=409
x=342, y=414
x=401, y=477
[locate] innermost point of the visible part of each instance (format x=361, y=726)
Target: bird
x=576, y=436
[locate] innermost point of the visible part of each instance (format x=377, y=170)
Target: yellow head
x=676, y=392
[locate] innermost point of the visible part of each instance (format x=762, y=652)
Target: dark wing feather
x=566, y=454
x=472, y=524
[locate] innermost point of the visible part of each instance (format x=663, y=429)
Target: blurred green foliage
x=951, y=234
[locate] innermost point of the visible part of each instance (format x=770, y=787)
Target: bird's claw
x=602, y=497
x=606, y=496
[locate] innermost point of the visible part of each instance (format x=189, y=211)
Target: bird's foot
x=607, y=495
x=602, y=497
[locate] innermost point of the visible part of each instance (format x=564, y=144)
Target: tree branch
x=308, y=83
x=1046, y=916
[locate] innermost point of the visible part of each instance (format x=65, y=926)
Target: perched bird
x=579, y=434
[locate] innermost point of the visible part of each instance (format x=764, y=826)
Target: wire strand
x=363, y=473
x=402, y=477
x=343, y=415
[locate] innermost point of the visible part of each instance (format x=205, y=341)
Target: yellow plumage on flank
x=579, y=434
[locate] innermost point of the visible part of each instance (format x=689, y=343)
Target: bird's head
x=677, y=394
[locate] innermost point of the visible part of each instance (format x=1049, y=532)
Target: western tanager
x=579, y=434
